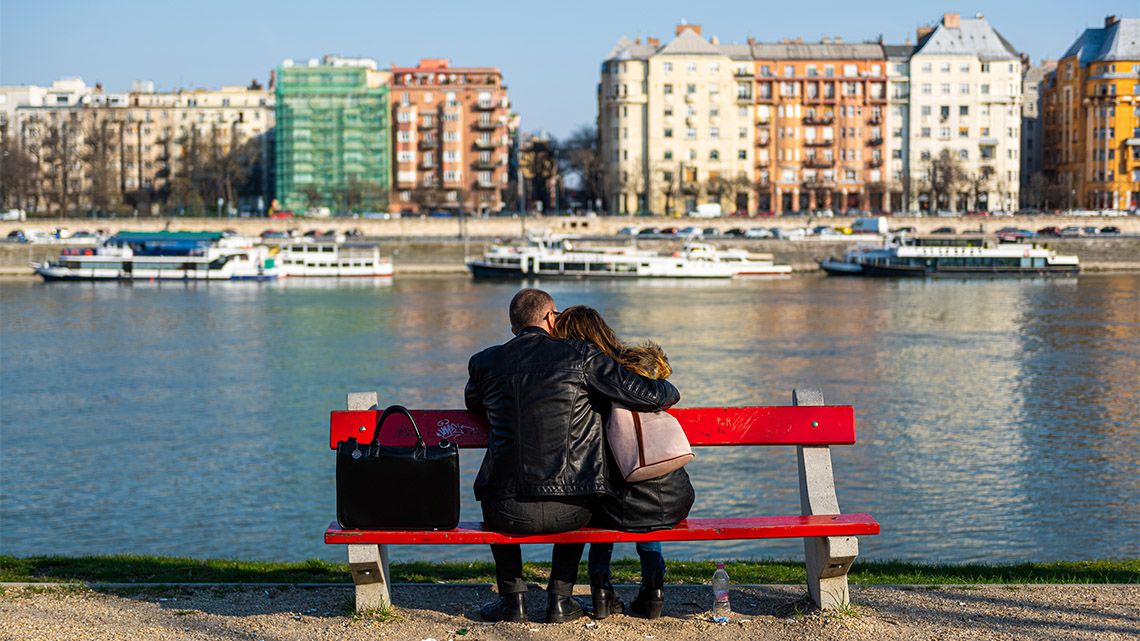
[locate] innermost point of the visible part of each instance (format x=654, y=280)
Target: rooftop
x=1119, y=39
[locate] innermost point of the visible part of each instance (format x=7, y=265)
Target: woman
x=654, y=504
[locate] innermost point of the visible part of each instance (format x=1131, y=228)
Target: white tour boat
x=330, y=259
x=164, y=255
x=556, y=257
x=935, y=257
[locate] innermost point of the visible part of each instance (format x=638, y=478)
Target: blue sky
x=549, y=52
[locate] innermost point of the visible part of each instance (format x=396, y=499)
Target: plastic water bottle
x=721, y=607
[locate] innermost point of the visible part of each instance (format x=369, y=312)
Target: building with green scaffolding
x=333, y=136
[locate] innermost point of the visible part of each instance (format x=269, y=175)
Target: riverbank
x=427, y=255
x=162, y=569
x=450, y=613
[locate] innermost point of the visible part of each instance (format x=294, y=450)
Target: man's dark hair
x=527, y=308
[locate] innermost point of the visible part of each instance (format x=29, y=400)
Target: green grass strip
x=155, y=569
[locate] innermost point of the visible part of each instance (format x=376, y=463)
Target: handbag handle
x=397, y=409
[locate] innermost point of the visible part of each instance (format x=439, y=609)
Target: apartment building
x=675, y=124
x=1032, y=129
x=94, y=150
x=1091, y=113
x=821, y=113
x=333, y=142
x=965, y=118
x=451, y=137
x=899, y=184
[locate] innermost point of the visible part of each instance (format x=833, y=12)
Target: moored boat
x=163, y=256
x=557, y=257
x=933, y=257
x=330, y=259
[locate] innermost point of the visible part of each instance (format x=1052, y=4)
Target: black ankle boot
x=561, y=609
x=606, y=601
x=509, y=607
x=650, y=600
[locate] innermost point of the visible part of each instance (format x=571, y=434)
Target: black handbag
x=380, y=487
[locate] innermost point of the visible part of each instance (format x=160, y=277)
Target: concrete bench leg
x=369, y=566
x=369, y=562
x=828, y=558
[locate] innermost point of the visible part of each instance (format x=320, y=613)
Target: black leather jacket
x=543, y=399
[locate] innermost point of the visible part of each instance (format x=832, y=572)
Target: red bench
x=830, y=545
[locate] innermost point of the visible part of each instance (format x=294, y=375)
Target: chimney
x=1110, y=20
x=952, y=20
x=922, y=32
x=637, y=40
x=695, y=28
x=838, y=40
x=653, y=42
x=825, y=40
x=751, y=41
x=714, y=40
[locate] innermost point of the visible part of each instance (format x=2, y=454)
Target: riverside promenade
x=448, y=613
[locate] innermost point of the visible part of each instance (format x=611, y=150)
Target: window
x=926, y=132
x=944, y=112
x=668, y=89
x=964, y=111
x=829, y=71
x=668, y=66
x=742, y=154
x=714, y=67
x=963, y=154
x=668, y=132
x=668, y=110
x=963, y=132
x=944, y=67
x=944, y=132
x=789, y=71
x=668, y=154
x=926, y=88
x=691, y=133
x=714, y=132
x=926, y=110
x=985, y=67
x=690, y=88
x=985, y=90
x=964, y=67
x=691, y=67
x=850, y=71
x=945, y=87
x=742, y=133
x=405, y=156
x=926, y=67
x=964, y=88
x=714, y=155
x=692, y=155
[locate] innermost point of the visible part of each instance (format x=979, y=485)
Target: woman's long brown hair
x=580, y=322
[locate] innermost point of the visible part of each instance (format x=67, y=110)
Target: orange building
x=820, y=114
x=1091, y=113
x=451, y=142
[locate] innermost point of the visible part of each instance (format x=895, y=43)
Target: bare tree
x=579, y=155
x=18, y=175
x=61, y=150
x=944, y=175
x=668, y=184
x=717, y=187
x=99, y=162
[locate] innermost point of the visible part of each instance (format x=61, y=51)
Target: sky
x=549, y=53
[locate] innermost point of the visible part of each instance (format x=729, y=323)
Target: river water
x=997, y=420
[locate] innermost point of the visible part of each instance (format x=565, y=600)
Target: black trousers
x=524, y=516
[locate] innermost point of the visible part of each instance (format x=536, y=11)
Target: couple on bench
x=546, y=395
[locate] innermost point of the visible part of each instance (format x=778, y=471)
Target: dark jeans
x=652, y=560
x=522, y=516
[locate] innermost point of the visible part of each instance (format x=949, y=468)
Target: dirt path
x=448, y=613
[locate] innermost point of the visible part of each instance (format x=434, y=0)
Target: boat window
x=1038, y=262
x=328, y=248
x=575, y=267
x=549, y=266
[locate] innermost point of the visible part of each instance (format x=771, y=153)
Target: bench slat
x=761, y=527
x=779, y=425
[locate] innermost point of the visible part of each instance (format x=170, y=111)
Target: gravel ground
x=449, y=613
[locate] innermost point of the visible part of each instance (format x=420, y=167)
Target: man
x=545, y=456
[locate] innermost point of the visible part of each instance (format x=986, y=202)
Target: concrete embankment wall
x=446, y=255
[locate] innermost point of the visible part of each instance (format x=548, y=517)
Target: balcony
x=819, y=162
x=426, y=163
x=485, y=144
x=764, y=121
x=876, y=141
x=875, y=120
x=761, y=141
x=763, y=162
x=485, y=106
x=428, y=144
x=819, y=182
x=485, y=184
x=742, y=72
x=486, y=126
x=486, y=164
x=819, y=142
x=875, y=162
x=816, y=119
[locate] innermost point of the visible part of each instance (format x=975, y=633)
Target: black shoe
x=606, y=600
x=561, y=609
x=509, y=607
x=650, y=599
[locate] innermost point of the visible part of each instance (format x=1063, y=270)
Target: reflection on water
x=992, y=415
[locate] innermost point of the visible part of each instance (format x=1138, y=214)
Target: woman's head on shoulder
x=580, y=322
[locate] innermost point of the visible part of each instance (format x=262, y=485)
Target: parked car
x=945, y=230
x=1013, y=234
x=627, y=231
x=649, y=231
x=668, y=231
x=1091, y=231
x=904, y=230
x=825, y=230
x=823, y=213
x=270, y=233
x=710, y=231
x=757, y=232
x=1049, y=231
x=735, y=232
x=687, y=232
x=1113, y=231
x=1073, y=231
x=795, y=233
x=17, y=236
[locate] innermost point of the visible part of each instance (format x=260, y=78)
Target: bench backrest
x=779, y=425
